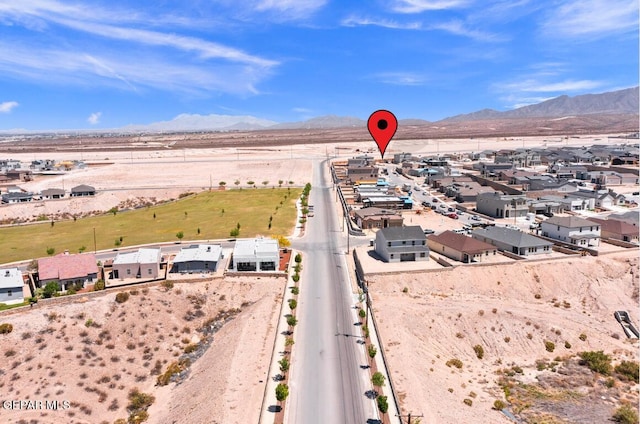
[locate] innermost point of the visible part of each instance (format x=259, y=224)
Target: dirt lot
x=510, y=310
x=92, y=352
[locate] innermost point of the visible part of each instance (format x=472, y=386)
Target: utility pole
x=95, y=249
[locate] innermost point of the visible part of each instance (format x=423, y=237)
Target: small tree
x=280, y=183
x=479, y=350
x=284, y=364
x=282, y=391
x=298, y=258
x=293, y=304
x=383, y=405
x=180, y=235
x=292, y=320
x=377, y=379
x=264, y=183
x=371, y=349
x=51, y=250
x=222, y=183
x=50, y=289
x=289, y=341
x=82, y=249
x=234, y=233
x=237, y=182
x=117, y=242
x=596, y=361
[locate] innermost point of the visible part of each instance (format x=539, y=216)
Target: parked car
x=452, y=216
x=426, y=204
x=451, y=210
x=435, y=200
x=475, y=218
x=548, y=214
x=443, y=206
x=428, y=231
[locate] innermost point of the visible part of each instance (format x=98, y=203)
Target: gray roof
x=10, y=278
x=141, y=256
x=510, y=236
x=199, y=252
x=410, y=232
x=569, y=222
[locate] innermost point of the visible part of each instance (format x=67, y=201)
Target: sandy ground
x=444, y=314
x=55, y=353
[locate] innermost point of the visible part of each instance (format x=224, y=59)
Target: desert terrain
x=510, y=310
x=92, y=351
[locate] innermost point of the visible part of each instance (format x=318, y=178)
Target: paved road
x=327, y=384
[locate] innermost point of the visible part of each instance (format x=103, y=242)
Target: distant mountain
x=625, y=101
x=195, y=122
x=411, y=121
x=327, y=121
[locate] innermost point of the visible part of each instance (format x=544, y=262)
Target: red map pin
x=382, y=126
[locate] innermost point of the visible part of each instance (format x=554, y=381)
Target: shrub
x=626, y=414
x=371, y=349
x=50, y=289
x=596, y=361
x=139, y=401
x=567, y=345
x=167, y=285
x=377, y=379
x=468, y=402
x=628, y=370
x=295, y=290
x=298, y=258
x=455, y=362
x=234, y=233
x=295, y=277
x=6, y=328
x=582, y=337
x=362, y=313
x=289, y=341
x=284, y=364
x=383, y=405
x=499, y=405
x=172, y=369
x=292, y=320
x=122, y=297
x=293, y=304
x=282, y=391
x=405, y=290
x=479, y=350
x=549, y=346
x=191, y=347
x=99, y=285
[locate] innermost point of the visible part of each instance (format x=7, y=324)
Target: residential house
x=142, y=263
x=459, y=247
x=259, y=254
x=500, y=205
x=11, y=286
x=617, y=230
x=398, y=158
x=17, y=197
x=513, y=241
x=490, y=170
x=83, y=190
x=572, y=230
x=388, y=202
x=52, y=193
x=374, y=218
x=69, y=271
x=568, y=202
x=197, y=258
x=402, y=244
x=630, y=217
x=601, y=198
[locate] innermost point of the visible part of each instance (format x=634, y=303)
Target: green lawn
x=214, y=213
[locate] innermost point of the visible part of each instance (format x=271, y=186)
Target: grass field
x=207, y=215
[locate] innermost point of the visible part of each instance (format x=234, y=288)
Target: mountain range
x=624, y=101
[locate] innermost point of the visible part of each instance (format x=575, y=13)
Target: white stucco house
x=572, y=229
x=143, y=263
x=258, y=254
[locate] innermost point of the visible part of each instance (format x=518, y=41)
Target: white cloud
x=400, y=78
x=418, y=6
x=592, y=18
x=293, y=9
x=535, y=86
x=458, y=27
x=94, y=118
x=353, y=21
x=6, y=107
x=302, y=110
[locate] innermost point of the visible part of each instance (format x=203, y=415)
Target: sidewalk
x=270, y=410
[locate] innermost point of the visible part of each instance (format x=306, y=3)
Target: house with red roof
x=68, y=270
x=460, y=247
x=618, y=230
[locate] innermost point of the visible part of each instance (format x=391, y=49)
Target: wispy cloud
x=353, y=21
x=292, y=9
x=302, y=110
x=201, y=65
x=592, y=18
x=6, y=107
x=94, y=118
x=535, y=86
x=419, y=6
x=458, y=27
x=400, y=78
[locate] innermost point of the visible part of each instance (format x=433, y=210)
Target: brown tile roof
x=615, y=226
x=65, y=266
x=461, y=243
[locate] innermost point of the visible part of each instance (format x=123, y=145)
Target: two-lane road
x=326, y=382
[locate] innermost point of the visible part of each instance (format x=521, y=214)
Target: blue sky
x=67, y=64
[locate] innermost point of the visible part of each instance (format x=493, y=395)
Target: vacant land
x=511, y=311
x=93, y=352
x=203, y=216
